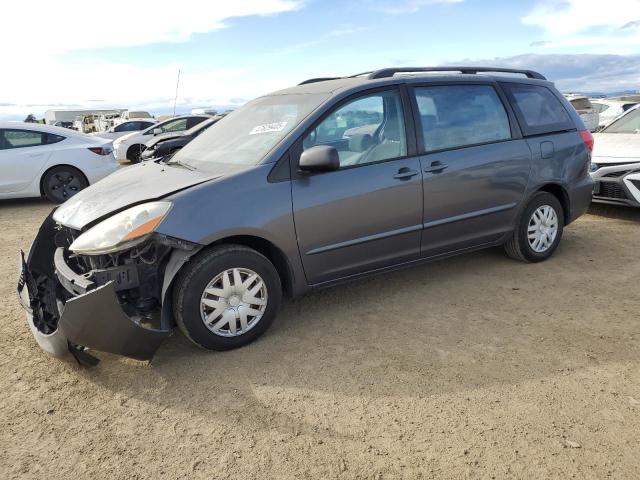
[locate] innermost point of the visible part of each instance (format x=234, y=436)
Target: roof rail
x=318, y=79
x=390, y=72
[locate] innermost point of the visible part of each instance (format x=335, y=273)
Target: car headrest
x=360, y=142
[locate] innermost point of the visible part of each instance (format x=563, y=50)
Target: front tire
x=226, y=297
x=134, y=153
x=61, y=183
x=539, y=229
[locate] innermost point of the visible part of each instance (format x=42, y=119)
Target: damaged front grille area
x=136, y=273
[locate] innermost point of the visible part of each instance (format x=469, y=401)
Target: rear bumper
x=64, y=313
x=580, y=198
x=96, y=174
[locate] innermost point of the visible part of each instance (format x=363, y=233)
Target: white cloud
x=48, y=26
x=39, y=38
x=398, y=7
x=575, y=73
x=587, y=23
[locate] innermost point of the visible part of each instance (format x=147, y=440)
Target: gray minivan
x=328, y=181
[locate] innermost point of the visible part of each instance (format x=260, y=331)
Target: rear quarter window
x=538, y=110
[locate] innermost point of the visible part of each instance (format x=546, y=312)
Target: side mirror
x=157, y=131
x=321, y=158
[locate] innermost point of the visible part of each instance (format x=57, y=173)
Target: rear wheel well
x=44, y=174
x=269, y=250
x=561, y=194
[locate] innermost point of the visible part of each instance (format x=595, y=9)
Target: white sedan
x=125, y=128
x=615, y=163
x=130, y=147
x=56, y=162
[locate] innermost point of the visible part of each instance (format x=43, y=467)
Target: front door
x=475, y=166
x=368, y=214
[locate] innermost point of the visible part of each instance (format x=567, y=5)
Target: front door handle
x=436, y=167
x=405, y=173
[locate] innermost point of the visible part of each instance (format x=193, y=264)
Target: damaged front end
x=117, y=302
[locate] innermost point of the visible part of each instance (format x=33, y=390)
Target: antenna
x=175, y=100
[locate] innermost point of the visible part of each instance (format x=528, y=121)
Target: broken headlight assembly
x=121, y=231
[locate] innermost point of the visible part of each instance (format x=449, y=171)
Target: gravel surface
x=472, y=367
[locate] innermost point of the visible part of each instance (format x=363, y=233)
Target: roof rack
x=318, y=79
x=390, y=72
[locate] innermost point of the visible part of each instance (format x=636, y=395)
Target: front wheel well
x=269, y=250
x=44, y=174
x=561, y=194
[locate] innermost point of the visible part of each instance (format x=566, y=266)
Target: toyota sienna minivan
x=328, y=181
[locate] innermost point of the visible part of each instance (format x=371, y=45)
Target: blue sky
x=232, y=51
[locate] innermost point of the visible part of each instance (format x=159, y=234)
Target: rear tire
x=539, y=229
x=61, y=183
x=242, y=308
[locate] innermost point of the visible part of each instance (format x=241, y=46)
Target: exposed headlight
x=594, y=167
x=124, y=230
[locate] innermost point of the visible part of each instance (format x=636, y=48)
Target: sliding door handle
x=405, y=173
x=436, y=167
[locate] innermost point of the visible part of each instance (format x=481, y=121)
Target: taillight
x=101, y=150
x=587, y=138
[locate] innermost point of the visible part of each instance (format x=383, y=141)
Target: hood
x=163, y=138
x=128, y=186
x=616, y=147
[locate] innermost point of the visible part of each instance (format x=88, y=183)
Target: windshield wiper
x=181, y=164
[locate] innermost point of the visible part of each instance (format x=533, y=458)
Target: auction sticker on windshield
x=268, y=127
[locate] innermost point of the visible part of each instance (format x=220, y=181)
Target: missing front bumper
x=93, y=319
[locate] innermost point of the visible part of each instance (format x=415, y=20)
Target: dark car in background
x=325, y=182
x=160, y=147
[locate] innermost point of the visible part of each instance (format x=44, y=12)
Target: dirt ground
x=473, y=367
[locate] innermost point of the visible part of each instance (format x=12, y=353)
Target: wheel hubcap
x=64, y=185
x=542, y=229
x=233, y=302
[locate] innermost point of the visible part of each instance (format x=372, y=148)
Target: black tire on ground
x=202, y=269
x=134, y=152
x=518, y=246
x=61, y=183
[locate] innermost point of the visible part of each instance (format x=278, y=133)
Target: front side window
x=628, y=123
x=365, y=130
x=22, y=138
x=177, y=125
x=454, y=116
x=539, y=110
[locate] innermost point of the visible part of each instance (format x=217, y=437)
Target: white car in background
x=125, y=128
x=585, y=109
x=130, y=146
x=56, y=162
x=615, y=162
x=610, y=109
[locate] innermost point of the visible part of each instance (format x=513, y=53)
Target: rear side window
x=581, y=104
x=193, y=121
x=454, y=116
x=538, y=109
x=599, y=107
x=22, y=139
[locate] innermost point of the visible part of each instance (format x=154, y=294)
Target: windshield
x=629, y=123
x=247, y=135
